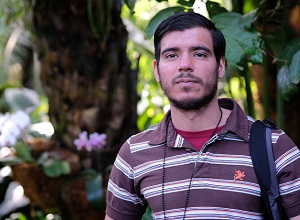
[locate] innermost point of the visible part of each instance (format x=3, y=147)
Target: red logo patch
x=239, y=175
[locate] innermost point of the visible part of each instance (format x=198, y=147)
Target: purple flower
x=82, y=142
x=97, y=141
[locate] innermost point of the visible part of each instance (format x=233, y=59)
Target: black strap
x=264, y=166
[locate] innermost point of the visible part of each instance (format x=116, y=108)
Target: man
x=195, y=164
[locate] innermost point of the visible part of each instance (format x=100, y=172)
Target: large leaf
x=295, y=68
x=21, y=99
x=233, y=53
x=241, y=43
x=287, y=88
x=246, y=20
x=159, y=17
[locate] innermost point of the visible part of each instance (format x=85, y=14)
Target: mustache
x=187, y=75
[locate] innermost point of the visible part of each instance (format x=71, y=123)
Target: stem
x=280, y=110
x=250, y=102
x=280, y=103
x=266, y=96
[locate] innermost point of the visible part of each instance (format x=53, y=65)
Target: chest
x=213, y=177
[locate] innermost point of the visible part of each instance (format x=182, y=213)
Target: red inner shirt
x=197, y=138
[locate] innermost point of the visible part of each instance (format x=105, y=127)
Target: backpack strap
x=264, y=166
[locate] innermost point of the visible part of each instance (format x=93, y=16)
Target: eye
x=170, y=55
x=200, y=55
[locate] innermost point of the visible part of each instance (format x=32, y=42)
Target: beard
x=192, y=104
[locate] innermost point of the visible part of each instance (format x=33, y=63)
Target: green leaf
x=55, y=168
x=23, y=152
x=221, y=20
x=255, y=53
x=295, y=68
x=159, y=17
x=147, y=215
x=287, y=88
x=95, y=192
x=241, y=43
x=246, y=20
x=233, y=52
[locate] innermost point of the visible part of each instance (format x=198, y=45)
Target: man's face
x=187, y=70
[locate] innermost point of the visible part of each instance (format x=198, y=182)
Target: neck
x=199, y=120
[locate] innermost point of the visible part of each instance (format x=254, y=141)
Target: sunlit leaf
x=295, y=68
x=287, y=88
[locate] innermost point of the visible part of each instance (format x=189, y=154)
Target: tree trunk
x=85, y=71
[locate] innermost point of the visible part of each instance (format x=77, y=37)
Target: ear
x=221, y=68
x=156, y=71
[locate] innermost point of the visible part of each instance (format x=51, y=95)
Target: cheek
x=162, y=72
x=166, y=70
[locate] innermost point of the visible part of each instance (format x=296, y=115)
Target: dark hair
x=187, y=20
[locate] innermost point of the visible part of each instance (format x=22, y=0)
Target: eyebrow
x=174, y=49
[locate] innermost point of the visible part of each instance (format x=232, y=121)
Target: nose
x=185, y=64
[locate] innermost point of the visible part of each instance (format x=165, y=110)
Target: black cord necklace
x=192, y=176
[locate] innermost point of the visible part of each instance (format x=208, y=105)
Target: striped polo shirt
x=224, y=185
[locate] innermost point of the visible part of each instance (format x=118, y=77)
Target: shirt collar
x=237, y=123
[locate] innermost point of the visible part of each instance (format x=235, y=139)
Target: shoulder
x=282, y=143
x=145, y=135
x=140, y=141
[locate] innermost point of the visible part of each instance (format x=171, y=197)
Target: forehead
x=187, y=38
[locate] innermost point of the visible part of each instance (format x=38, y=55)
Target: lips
x=185, y=80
